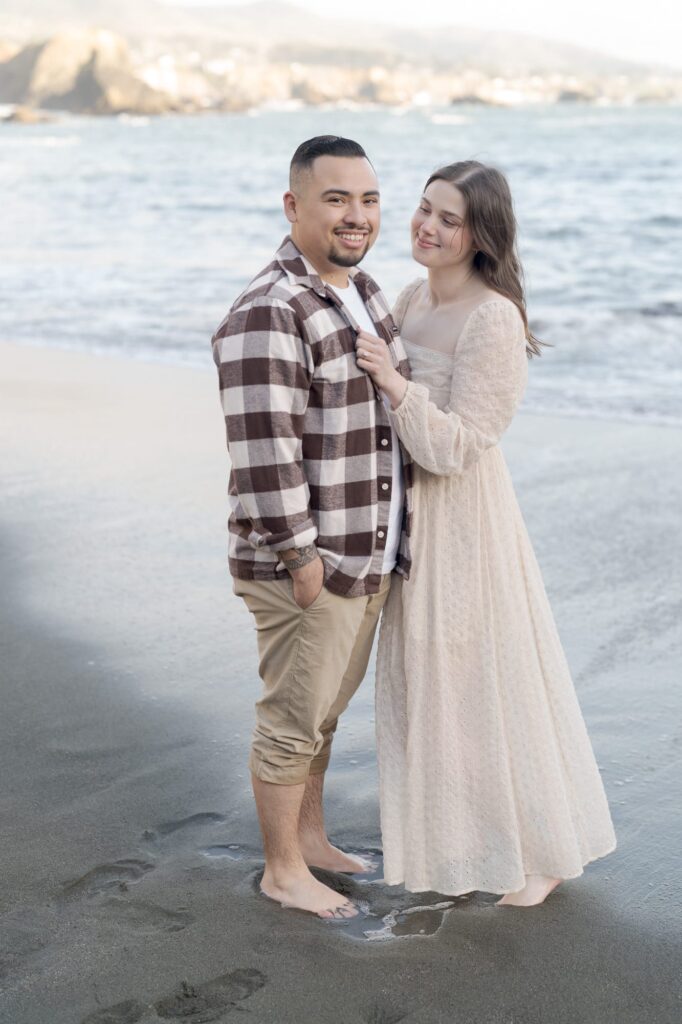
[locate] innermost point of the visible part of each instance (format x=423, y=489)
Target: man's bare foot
x=535, y=891
x=319, y=853
x=301, y=891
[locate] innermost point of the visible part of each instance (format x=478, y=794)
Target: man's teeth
x=351, y=238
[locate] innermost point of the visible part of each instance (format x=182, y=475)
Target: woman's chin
x=421, y=255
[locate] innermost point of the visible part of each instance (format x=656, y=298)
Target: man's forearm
x=296, y=558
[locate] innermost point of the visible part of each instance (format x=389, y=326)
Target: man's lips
x=352, y=239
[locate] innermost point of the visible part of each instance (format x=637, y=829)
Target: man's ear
x=289, y=200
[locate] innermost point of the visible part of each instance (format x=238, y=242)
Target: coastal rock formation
x=28, y=115
x=154, y=58
x=85, y=72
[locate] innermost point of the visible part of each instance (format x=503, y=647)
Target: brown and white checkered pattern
x=308, y=435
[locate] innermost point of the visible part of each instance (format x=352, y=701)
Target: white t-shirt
x=351, y=298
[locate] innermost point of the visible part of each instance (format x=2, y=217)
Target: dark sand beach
x=129, y=845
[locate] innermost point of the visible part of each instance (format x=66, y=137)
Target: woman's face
x=440, y=236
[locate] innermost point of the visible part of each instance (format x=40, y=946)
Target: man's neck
x=330, y=273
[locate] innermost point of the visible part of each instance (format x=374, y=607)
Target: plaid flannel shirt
x=308, y=435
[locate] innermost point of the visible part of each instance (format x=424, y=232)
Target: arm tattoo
x=303, y=556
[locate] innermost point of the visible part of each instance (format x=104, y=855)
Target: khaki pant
x=312, y=661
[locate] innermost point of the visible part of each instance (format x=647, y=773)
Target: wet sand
x=129, y=846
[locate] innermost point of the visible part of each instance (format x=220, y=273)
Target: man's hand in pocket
x=306, y=569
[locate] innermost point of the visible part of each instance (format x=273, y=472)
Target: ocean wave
x=540, y=407
x=540, y=403
x=449, y=119
x=664, y=220
x=664, y=308
x=135, y=120
x=46, y=141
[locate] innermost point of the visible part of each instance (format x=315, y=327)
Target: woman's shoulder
x=404, y=298
x=496, y=313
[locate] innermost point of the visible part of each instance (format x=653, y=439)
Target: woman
x=487, y=776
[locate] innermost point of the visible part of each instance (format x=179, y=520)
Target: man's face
x=334, y=212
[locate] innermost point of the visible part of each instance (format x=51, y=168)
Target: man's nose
x=355, y=213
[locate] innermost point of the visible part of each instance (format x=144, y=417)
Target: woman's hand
x=374, y=357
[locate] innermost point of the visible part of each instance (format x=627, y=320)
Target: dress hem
x=497, y=891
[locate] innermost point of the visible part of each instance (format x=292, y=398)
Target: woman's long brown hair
x=491, y=220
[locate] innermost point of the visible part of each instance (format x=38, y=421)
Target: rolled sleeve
x=265, y=379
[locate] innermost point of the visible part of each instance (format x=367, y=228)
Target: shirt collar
x=300, y=271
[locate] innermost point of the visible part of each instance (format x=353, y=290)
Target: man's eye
x=335, y=199
x=372, y=202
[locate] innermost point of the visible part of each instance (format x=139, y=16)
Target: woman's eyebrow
x=446, y=213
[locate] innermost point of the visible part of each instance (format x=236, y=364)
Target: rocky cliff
x=79, y=71
x=235, y=58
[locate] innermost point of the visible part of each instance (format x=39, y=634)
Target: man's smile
x=352, y=238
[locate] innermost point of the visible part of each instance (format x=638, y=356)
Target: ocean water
x=133, y=236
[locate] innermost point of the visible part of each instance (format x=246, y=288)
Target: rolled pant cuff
x=280, y=775
x=319, y=765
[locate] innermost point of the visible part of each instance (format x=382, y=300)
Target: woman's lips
x=423, y=244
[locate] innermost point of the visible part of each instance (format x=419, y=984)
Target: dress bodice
x=432, y=369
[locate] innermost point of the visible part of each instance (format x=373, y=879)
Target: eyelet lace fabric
x=486, y=769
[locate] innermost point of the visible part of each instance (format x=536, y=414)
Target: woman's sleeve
x=489, y=378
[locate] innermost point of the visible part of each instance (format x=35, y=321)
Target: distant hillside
x=284, y=32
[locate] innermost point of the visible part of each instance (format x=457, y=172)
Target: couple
x=366, y=476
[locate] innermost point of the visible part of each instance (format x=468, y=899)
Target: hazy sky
x=646, y=30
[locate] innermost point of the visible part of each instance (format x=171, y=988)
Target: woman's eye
x=424, y=209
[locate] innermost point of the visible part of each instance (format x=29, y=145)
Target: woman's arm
x=489, y=378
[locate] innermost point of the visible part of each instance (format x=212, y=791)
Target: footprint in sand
x=139, y=916
x=425, y=920
x=385, y=1015
x=232, y=851
x=209, y=1000
x=193, y=821
x=23, y=932
x=127, y=1012
x=201, y=1004
x=105, y=877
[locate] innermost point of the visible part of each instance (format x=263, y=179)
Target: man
x=320, y=495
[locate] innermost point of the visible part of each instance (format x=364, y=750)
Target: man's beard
x=350, y=259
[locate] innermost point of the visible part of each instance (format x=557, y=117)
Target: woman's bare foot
x=319, y=853
x=535, y=891
x=300, y=890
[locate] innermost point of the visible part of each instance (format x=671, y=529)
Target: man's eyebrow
x=345, y=192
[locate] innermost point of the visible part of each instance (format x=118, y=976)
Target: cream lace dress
x=486, y=769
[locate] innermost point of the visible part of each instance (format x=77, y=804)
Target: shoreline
x=147, y=357
x=131, y=854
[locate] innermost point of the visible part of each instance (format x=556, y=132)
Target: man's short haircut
x=321, y=145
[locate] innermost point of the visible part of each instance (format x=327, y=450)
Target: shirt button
x=384, y=441
x=384, y=487
x=381, y=534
